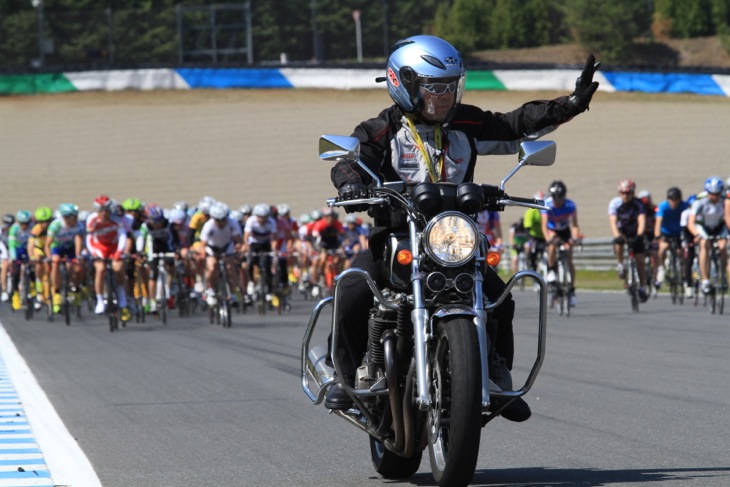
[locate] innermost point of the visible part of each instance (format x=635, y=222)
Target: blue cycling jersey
x=559, y=217
x=671, y=218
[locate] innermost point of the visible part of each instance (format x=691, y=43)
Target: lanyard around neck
x=432, y=172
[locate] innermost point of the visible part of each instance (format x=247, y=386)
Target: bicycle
x=718, y=278
x=183, y=288
x=674, y=265
x=162, y=285
x=220, y=313
x=632, y=283
x=111, y=296
x=560, y=288
x=261, y=290
x=140, y=291
x=69, y=293
x=29, y=291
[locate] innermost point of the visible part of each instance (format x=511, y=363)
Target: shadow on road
x=585, y=477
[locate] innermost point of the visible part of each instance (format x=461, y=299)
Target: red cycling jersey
x=105, y=238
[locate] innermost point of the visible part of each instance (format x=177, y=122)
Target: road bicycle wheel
x=28, y=293
x=111, y=300
x=672, y=277
x=634, y=285
x=162, y=293
x=65, y=305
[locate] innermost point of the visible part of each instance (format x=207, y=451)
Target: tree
x=607, y=28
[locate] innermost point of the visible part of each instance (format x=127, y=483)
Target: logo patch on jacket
x=408, y=161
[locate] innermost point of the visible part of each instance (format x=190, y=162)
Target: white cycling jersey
x=220, y=237
x=708, y=214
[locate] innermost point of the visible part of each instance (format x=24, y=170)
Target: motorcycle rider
x=429, y=135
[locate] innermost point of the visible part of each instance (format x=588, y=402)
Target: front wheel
x=390, y=465
x=454, y=418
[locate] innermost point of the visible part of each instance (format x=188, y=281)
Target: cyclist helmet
x=23, y=216
x=674, y=193
x=283, y=209
x=8, y=219
x=262, y=210
x=204, y=205
x=327, y=211
x=246, y=210
x=316, y=215
x=178, y=215
x=154, y=212
x=132, y=204
x=68, y=209
x=714, y=185
x=236, y=215
x=181, y=205
x=102, y=203
x=351, y=219
x=43, y=214
x=304, y=219
x=626, y=186
x=424, y=64
x=644, y=195
x=558, y=189
x=219, y=210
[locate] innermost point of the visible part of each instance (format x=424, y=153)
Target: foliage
x=121, y=33
x=608, y=28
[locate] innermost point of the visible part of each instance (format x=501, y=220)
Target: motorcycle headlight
x=451, y=239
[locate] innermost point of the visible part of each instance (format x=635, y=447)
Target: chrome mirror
x=337, y=147
x=538, y=153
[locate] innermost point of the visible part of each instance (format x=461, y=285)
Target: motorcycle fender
x=454, y=310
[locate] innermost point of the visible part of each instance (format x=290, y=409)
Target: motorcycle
x=430, y=377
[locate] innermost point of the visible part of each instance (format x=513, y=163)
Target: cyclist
x=668, y=226
x=490, y=225
x=560, y=224
x=689, y=246
x=532, y=221
x=65, y=241
x=707, y=218
x=518, y=237
x=195, y=226
x=650, y=210
x=18, y=237
x=106, y=238
x=156, y=236
x=259, y=236
x=328, y=233
x=286, y=230
x=133, y=217
x=8, y=221
x=220, y=235
x=355, y=238
x=627, y=216
x=37, y=252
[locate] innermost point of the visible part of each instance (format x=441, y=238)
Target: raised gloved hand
x=353, y=191
x=584, y=85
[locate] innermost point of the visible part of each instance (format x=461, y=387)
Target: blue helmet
x=714, y=185
x=424, y=63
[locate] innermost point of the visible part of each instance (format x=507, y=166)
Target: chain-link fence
x=123, y=38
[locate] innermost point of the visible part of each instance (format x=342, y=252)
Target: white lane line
x=65, y=460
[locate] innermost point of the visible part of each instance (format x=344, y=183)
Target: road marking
x=36, y=449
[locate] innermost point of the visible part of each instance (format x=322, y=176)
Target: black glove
x=584, y=85
x=353, y=191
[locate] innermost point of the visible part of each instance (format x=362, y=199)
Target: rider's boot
x=336, y=397
x=517, y=410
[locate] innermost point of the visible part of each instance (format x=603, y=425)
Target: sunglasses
x=627, y=192
x=440, y=88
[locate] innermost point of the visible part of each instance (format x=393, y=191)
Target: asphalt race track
x=623, y=399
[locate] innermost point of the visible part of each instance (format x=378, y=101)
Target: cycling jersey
x=105, y=238
x=195, y=225
x=220, y=238
x=329, y=234
x=258, y=232
x=63, y=237
x=156, y=240
x=627, y=214
x=533, y=223
x=710, y=216
x=671, y=218
x=559, y=216
x=38, y=233
x=18, y=241
x=285, y=229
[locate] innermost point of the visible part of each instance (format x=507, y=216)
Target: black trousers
x=357, y=299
